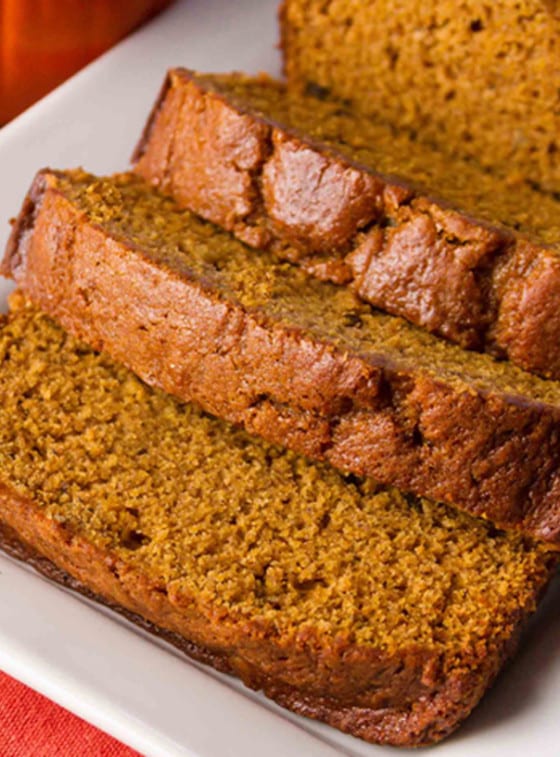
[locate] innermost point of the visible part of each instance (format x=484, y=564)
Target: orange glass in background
x=43, y=42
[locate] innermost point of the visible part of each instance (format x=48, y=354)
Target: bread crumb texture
x=244, y=529
x=475, y=78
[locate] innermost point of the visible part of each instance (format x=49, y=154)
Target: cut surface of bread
x=479, y=79
x=412, y=231
x=300, y=362
x=386, y=616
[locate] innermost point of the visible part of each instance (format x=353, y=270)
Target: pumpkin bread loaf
x=301, y=362
x=476, y=78
x=386, y=616
x=418, y=234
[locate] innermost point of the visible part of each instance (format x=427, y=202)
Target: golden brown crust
x=391, y=701
x=400, y=250
x=487, y=452
x=152, y=119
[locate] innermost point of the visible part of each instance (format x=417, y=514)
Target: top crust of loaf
x=411, y=231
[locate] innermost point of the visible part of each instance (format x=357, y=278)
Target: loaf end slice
x=462, y=78
x=416, y=233
x=383, y=615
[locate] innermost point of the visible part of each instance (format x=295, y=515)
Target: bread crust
x=403, y=700
x=479, y=285
x=490, y=453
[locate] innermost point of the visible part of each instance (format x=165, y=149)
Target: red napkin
x=33, y=726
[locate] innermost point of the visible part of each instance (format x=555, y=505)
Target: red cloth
x=33, y=726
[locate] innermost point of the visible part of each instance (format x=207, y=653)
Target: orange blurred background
x=43, y=42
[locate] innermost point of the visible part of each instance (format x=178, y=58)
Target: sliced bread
x=386, y=616
x=480, y=79
x=419, y=234
x=301, y=362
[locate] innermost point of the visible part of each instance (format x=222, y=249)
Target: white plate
x=93, y=662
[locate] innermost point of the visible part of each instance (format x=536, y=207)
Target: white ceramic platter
x=88, y=659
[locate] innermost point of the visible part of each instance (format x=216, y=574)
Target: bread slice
x=386, y=616
x=357, y=203
x=300, y=362
x=480, y=79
